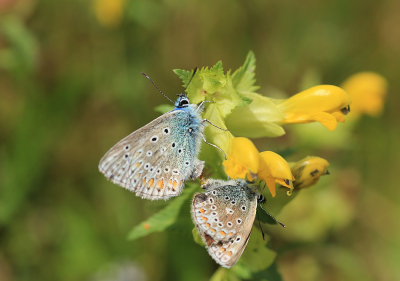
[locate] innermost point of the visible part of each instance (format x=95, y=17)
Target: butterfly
x=157, y=159
x=224, y=216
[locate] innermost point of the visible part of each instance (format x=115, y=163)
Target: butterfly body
x=224, y=216
x=157, y=159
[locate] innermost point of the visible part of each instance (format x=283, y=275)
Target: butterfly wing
x=224, y=216
x=156, y=160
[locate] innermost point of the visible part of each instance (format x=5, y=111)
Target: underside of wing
x=224, y=216
x=154, y=161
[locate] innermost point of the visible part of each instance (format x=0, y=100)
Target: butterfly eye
x=184, y=102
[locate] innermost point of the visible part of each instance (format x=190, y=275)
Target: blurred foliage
x=70, y=88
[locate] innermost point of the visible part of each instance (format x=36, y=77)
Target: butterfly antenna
x=259, y=223
x=272, y=216
x=145, y=75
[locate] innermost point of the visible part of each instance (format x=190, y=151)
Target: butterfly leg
x=204, y=139
x=208, y=121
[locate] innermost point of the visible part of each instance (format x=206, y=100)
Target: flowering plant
x=236, y=107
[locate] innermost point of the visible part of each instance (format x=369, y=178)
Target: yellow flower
x=325, y=104
x=274, y=169
x=243, y=160
x=367, y=91
x=256, y=120
x=246, y=162
x=308, y=171
x=109, y=12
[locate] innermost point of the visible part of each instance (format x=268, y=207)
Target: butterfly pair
x=156, y=160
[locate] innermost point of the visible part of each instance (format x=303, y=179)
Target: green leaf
x=184, y=75
x=213, y=85
x=257, y=256
x=224, y=274
x=197, y=237
x=227, y=98
x=163, y=219
x=274, y=205
x=271, y=273
x=243, y=78
x=23, y=51
x=164, y=108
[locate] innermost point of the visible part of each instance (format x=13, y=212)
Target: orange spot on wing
x=144, y=181
x=229, y=253
x=146, y=226
x=208, y=225
x=204, y=218
x=175, y=184
x=230, y=234
x=138, y=176
x=222, y=233
x=137, y=165
x=202, y=211
x=151, y=183
x=170, y=182
x=160, y=184
x=213, y=230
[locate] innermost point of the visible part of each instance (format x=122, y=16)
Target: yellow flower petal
x=243, y=159
x=367, y=91
x=324, y=104
x=270, y=181
x=308, y=171
x=273, y=168
x=109, y=12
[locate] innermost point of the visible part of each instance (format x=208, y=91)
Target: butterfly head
x=182, y=101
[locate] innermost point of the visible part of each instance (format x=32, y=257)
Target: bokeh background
x=71, y=87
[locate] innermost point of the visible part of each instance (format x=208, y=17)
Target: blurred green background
x=71, y=87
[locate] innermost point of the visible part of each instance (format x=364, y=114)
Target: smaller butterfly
x=157, y=159
x=224, y=216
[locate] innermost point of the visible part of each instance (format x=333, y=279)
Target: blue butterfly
x=157, y=159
